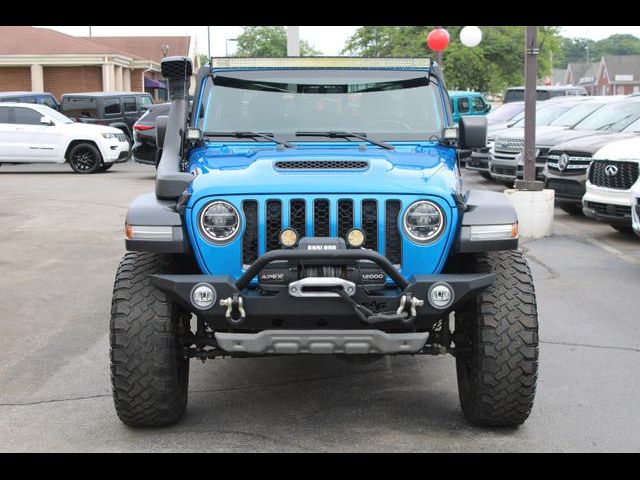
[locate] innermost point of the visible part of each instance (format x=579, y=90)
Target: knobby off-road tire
x=497, y=344
x=149, y=377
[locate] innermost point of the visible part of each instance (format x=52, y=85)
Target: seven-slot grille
x=322, y=211
x=616, y=175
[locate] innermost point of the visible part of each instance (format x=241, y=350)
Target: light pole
x=293, y=41
x=530, y=72
x=226, y=45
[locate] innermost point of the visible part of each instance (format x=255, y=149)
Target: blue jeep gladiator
x=315, y=206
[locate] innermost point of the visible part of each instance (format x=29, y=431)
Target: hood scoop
x=297, y=165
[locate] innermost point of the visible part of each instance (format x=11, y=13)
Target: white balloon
x=470, y=36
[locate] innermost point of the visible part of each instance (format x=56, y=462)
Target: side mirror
x=472, y=132
x=46, y=121
x=488, y=108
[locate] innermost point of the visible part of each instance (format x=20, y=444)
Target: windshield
x=545, y=114
x=386, y=105
x=576, y=114
x=633, y=128
x=56, y=116
x=613, y=117
x=505, y=112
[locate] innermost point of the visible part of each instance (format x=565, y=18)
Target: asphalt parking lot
x=62, y=238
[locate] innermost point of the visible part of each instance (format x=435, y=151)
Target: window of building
x=26, y=116
x=111, y=106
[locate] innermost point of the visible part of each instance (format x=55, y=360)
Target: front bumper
x=117, y=152
x=612, y=207
x=249, y=320
x=479, y=161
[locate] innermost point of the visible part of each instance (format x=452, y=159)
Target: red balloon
x=438, y=39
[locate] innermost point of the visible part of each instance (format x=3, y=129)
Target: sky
x=329, y=40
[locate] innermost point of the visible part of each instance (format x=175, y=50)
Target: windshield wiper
x=332, y=134
x=267, y=136
x=609, y=125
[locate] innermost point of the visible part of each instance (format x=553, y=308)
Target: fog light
x=441, y=295
x=355, y=238
x=288, y=238
x=203, y=296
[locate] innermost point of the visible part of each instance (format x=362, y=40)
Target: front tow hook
x=232, y=303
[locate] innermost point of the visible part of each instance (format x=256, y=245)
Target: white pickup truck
x=31, y=133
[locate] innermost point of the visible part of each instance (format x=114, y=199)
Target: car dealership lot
x=62, y=238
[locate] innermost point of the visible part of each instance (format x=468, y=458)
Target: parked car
x=546, y=112
x=31, y=133
x=145, y=149
x=508, y=146
x=635, y=208
x=613, y=175
x=615, y=117
x=41, y=98
x=115, y=109
x=516, y=94
x=567, y=164
x=467, y=103
x=331, y=235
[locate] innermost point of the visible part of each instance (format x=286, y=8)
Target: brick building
x=612, y=75
x=40, y=59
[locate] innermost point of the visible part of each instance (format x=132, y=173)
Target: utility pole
x=209, y=42
x=531, y=72
x=293, y=41
x=89, y=31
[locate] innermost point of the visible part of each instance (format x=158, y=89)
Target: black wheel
x=149, y=374
x=571, y=209
x=623, y=228
x=106, y=166
x=486, y=175
x=85, y=158
x=497, y=344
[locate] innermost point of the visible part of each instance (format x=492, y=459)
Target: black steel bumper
x=241, y=308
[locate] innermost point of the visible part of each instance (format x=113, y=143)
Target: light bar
x=139, y=232
x=320, y=62
x=493, y=232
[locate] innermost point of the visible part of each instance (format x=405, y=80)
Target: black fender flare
x=149, y=211
x=483, y=208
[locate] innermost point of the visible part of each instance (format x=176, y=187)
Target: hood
x=628, y=149
x=548, y=135
x=416, y=168
x=591, y=144
x=91, y=128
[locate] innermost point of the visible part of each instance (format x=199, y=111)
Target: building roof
x=583, y=70
x=23, y=40
x=148, y=48
x=102, y=94
x=627, y=67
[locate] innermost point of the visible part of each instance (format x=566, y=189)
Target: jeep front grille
x=322, y=217
x=321, y=165
x=615, y=175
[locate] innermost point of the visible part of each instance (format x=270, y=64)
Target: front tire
x=497, y=344
x=106, y=166
x=571, y=209
x=623, y=228
x=85, y=158
x=486, y=175
x=149, y=374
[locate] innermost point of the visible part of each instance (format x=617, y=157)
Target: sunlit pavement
x=62, y=238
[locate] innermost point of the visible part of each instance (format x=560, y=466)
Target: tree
x=266, y=41
x=498, y=62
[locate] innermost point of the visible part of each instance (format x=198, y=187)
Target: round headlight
x=423, y=221
x=219, y=222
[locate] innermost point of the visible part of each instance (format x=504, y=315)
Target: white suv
x=31, y=133
x=613, y=173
